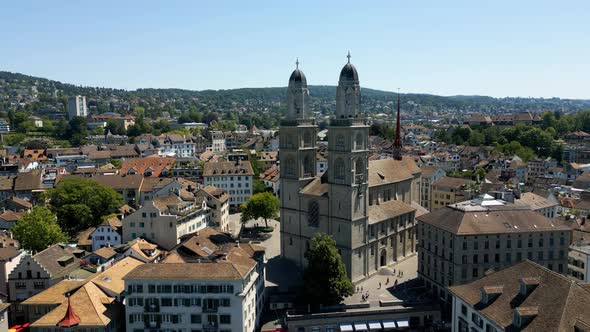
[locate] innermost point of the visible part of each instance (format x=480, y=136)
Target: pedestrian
x=387, y=281
x=361, y=288
x=379, y=285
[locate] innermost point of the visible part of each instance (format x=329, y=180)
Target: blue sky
x=498, y=48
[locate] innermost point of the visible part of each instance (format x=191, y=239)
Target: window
x=463, y=310
x=290, y=167
x=359, y=142
x=359, y=172
x=340, y=142
x=339, y=170
x=314, y=214
x=224, y=319
x=195, y=319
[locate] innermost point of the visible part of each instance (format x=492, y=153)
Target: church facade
x=366, y=206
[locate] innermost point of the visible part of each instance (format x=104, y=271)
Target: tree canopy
x=262, y=205
x=38, y=229
x=325, y=281
x=80, y=203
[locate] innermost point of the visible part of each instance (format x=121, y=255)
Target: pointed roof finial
x=297, y=63
x=70, y=318
x=348, y=56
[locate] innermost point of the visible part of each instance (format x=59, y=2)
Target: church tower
x=297, y=157
x=348, y=159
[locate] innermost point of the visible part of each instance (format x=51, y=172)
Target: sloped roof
x=388, y=210
x=559, y=302
x=488, y=220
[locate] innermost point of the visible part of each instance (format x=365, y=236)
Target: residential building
x=218, y=204
x=578, y=267
x=429, y=175
x=523, y=297
x=141, y=250
x=4, y=126
x=127, y=185
x=448, y=190
x=364, y=205
x=35, y=273
x=206, y=284
x=538, y=204
x=10, y=257
x=217, y=141
x=233, y=177
x=94, y=304
x=461, y=242
x=108, y=233
x=77, y=107
x=165, y=219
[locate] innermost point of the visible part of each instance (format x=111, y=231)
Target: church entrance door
x=383, y=260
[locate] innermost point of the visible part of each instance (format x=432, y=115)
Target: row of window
x=178, y=318
x=186, y=289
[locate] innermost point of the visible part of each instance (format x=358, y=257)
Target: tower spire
x=397, y=143
x=70, y=318
x=348, y=56
x=297, y=63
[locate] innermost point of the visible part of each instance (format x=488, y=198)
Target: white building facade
x=77, y=107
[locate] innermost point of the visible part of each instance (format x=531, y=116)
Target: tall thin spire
x=397, y=143
x=348, y=56
x=297, y=63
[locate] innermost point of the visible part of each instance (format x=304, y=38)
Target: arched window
x=314, y=214
x=289, y=167
x=340, y=142
x=359, y=171
x=339, y=170
x=307, y=139
x=307, y=166
x=359, y=142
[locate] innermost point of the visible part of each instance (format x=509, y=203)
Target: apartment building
x=165, y=219
x=35, y=273
x=95, y=304
x=448, y=190
x=538, y=204
x=429, y=175
x=523, y=297
x=578, y=263
x=217, y=141
x=233, y=177
x=462, y=242
x=218, y=204
x=207, y=283
x=77, y=107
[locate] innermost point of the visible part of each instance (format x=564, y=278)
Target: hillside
x=17, y=89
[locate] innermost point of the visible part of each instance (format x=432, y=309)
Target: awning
x=346, y=327
x=360, y=327
x=389, y=324
x=374, y=326
x=403, y=323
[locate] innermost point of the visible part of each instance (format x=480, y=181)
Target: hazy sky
x=498, y=48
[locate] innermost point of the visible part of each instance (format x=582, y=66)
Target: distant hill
x=373, y=100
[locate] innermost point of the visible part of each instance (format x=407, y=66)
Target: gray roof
x=349, y=73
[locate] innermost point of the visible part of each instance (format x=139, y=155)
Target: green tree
x=258, y=186
x=325, y=281
x=263, y=205
x=71, y=193
x=38, y=229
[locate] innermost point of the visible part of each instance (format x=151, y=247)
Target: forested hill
x=12, y=84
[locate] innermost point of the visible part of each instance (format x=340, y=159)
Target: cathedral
x=366, y=206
